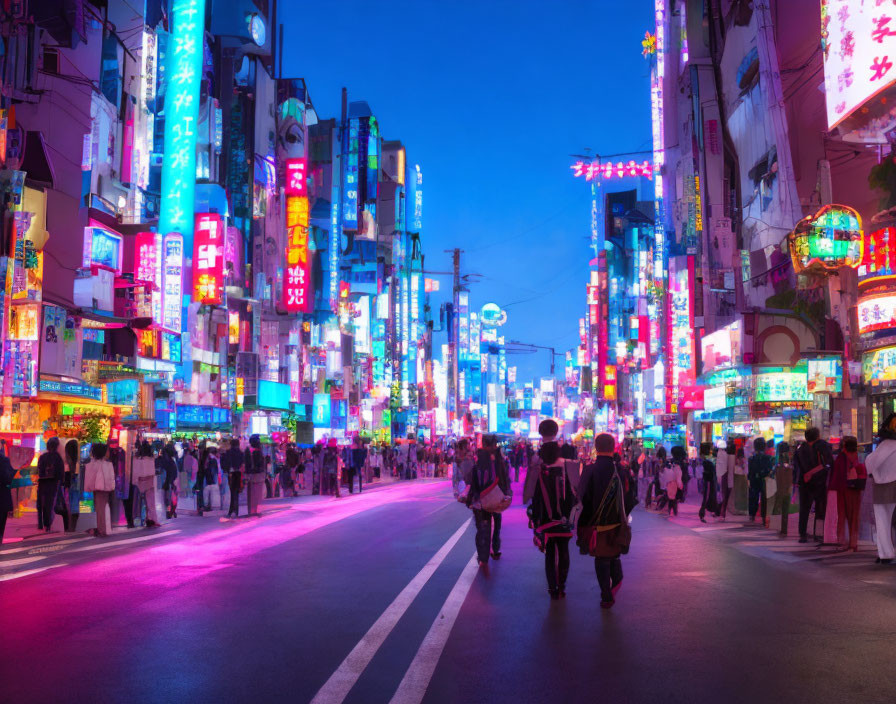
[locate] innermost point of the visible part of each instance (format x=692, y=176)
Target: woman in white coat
x=99, y=478
x=881, y=466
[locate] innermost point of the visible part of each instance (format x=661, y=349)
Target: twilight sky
x=491, y=98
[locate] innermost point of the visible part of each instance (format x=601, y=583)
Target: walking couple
x=601, y=497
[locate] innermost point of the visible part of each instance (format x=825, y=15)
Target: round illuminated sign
x=492, y=315
x=256, y=28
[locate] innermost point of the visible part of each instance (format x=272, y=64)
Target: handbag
x=60, y=505
x=492, y=499
x=771, y=487
x=853, y=478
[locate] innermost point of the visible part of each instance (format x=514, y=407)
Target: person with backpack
x=255, y=471
x=549, y=515
x=603, y=530
x=759, y=468
x=489, y=472
x=330, y=467
x=50, y=472
x=811, y=465
x=143, y=476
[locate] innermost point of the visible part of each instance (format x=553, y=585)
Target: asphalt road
x=376, y=598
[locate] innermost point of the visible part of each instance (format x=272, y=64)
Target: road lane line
x=416, y=680
x=126, y=541
x=26, y=573
x=21, y=561
x=336, y=688
x=42, y=547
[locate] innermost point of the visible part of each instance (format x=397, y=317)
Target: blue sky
x=491, y=98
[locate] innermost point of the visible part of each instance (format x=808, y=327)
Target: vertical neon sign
x=297, y=283
x=208, y=259
x=172, y=300
x=183, y=75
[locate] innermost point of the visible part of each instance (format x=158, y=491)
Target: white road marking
x=127, y=541
x=717, y=526
x=40, y=547
x=17, y=575
x=416, y=680
x=21, y=561
x=336, y=688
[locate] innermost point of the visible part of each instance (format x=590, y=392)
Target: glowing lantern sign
x=208, y=259
x=595, y=170
x=827, y=240
x=297, y=295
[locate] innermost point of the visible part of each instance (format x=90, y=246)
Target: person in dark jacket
x=168, y=468
x=7, y=473
x=232, y=463
x=72, y=483
x=812, y=463
x=759, y=468
x=50, y=472
x=255, y=469
x=490, y=465
x=603, y=514
x=288, y=474
x=680, y=457
x=357, y=455
x=551, y=507
x=709, y=502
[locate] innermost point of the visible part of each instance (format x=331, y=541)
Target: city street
x=376, y=598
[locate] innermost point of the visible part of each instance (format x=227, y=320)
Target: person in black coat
x=812, y=464
x=232, y=463
x=167, y=465
x=7, y=473
x=50, y=472
x=550, y=513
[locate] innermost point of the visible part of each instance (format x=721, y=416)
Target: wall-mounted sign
x=296, y=175
x=172, y=279
x=492, y=315
x=297, y=296
x=208, y=259
x=320, y=411
x=859, y=50
x=877, y=313
x=102, y=249
x=123, y=392
x=827, y=240
x=272, y=394
x=70, y=389
x=879, y=253
x=825, y=375
x=594, y=170
x=256, y=28
x=779, y=386
x=201, y=416
x=146, y=255
x=722, y=348
x=879, y=367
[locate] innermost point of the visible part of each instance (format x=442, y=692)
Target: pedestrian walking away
x=255, y=475
x=99, y=478
x=143, y=474
x=603, y=530
x=784, y=484
x=549, y=516
x=50, y=472
x=759, y=468
x=489, y=473
x=709, y=502
x=232, y=462
x=848, y=478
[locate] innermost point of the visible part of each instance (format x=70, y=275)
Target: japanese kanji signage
x=145, y=260
x=208, y=259
x=296, y=171
x=173, y=262
x=859, y=48
x=594, y=170
x=297, y=296
x=183, y=75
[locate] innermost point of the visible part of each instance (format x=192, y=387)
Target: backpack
x=45, y=467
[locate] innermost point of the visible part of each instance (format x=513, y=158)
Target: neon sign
x=493, y=315
x=183, y=74
x=879, y=255
x=594, y=170
x=297, y=296
x=208, y=259
x=173, y=254
x=827, y=240
x=878, y=313
x=296, y=184
x=145, y=266
x=879, y=367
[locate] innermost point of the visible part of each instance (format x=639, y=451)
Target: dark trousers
x=811, y=494
x=46, y=497
x=129, y=506
x=556, y=562
x=726, y=495
x=351, y=480
x=673, y=506
x=708, y=491
x=757, y=501
x=609, y=574
x=235, y=479
x=485, y=536
x=3, y=516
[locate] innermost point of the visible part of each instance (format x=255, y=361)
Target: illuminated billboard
x=825, y=375
x=827, y=240
x=172, y=281
x=879, y=367
x=722, y=348
x=859, y=51
x=297, y=295
x=208, y=259
x=102, y=249
x=779, y=386
x=879, y=255
x=877, y=313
